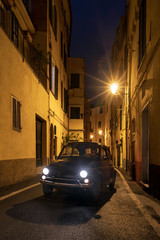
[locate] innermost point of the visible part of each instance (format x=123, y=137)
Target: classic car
x=82, y=166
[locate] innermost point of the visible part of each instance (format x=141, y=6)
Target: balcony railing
x=35, y=58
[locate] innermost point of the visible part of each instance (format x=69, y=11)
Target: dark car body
x=76, y=160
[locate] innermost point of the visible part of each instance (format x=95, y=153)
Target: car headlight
x=45, y=171
x=83, y=174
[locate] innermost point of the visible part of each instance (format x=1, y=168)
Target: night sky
x=94, y=25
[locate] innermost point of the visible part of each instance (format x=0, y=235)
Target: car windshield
x=80, y=151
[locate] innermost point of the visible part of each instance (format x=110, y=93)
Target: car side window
x=103, y=154
x=75, y=152
x=67, y=151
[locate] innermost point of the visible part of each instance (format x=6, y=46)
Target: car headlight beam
x=83, y=174
x=45, y=171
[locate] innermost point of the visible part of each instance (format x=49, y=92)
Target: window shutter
x=56, y=82
x=18, y=122
x=14, y=112
x=50, y=72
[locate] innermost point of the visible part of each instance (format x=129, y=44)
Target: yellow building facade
x=142, y=93
x=119, y=113
x=35, y=41
x=76, y=72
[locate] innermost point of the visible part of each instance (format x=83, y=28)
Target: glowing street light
x=100, y=132
x=114, y=87
x=91, y=136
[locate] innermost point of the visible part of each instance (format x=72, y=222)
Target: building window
x=55, y=23
x=65, y=100
x=51, y=142
x=16, y=113
x=75, y=80
x=65, y=57
x=62, y=45
x=75, y=113
x=120, y=118
x=133, y=125
x=50, y=11
x=107, y=108
x=56, y=82
x=55, y=146
x=53, y=77
x=142, y=30
x=101, y=110
x=99, y=124
x=125, y=57
x=62, y=94
x=14, y=30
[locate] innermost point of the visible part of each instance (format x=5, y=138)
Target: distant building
x=76, y=97
x=97, y=123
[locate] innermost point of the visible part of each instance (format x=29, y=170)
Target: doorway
x=145, y=145
x=118, y=155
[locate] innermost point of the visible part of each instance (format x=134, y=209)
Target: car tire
x=111, y=186
x=47, y=190
x=96, y=192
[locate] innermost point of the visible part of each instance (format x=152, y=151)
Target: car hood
x=72, y=165
x=73, y=162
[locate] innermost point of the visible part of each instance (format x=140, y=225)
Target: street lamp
x=100, y=132
x=114, y=87
x=91, y=136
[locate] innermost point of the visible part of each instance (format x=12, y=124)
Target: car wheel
x=96, y=192
x=47, y=190
x=111, y=186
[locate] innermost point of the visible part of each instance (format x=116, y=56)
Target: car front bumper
x=67, y=183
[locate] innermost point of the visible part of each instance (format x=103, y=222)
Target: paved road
x=125, y=214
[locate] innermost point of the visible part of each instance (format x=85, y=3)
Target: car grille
x=63, y=173
x=68, y=181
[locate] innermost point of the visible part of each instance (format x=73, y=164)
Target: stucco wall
x=17, y=79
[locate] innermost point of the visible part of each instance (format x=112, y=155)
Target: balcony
x=22, y=41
